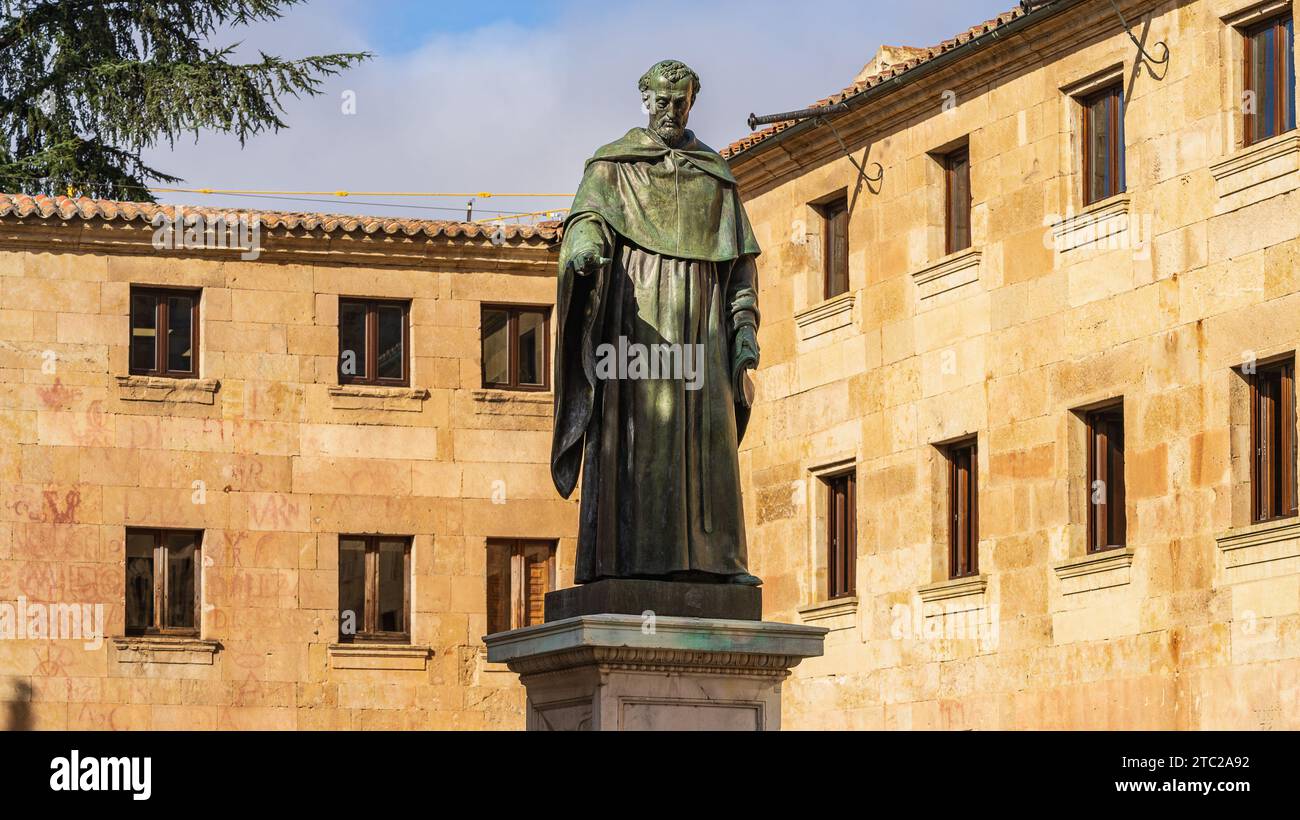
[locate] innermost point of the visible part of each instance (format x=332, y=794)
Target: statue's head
x=669, y=90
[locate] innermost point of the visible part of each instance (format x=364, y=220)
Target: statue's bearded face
x=670, y=107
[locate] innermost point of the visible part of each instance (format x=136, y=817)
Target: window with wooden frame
x=162, y=581
x=835, y=246
x=516, y=347
x=963, y=510
x=164, y=332
x=374, y=342
x=1107, y=526
x=841, y=535
x=520, y=572
x=375, y=588
x=1269, y=82
x=1273, y=441
x=1103, y=144
x=957, y=200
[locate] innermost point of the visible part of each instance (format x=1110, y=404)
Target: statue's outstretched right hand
x=587, y=261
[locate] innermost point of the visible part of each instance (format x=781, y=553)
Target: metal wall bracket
x=1140, y=47
x=819, y=116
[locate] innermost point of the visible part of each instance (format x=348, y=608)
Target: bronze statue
x=657, y=259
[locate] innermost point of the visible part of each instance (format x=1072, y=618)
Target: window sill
x=824, y=317
x=165, y=649
x=1257, y=172
x=379, y=656
x=949, y=273
x=1101, y=224
x=375, y=397
x=495, y=402
x=842, y=612
x=1264, y=550
x=165, y=389
x=1096, y=570
x=955, y=589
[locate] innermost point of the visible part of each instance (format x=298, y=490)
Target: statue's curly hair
x=672, y=71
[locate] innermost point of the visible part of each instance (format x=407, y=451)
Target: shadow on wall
x=19, y=712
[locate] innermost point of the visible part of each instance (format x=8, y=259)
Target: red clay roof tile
x=41, y=206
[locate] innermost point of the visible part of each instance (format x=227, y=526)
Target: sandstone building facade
x=1050, y=225
x=1024, y=441
x=281, y=469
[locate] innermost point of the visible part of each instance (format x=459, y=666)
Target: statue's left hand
x=744, y=356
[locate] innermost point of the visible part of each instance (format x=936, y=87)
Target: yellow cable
x=520, y=216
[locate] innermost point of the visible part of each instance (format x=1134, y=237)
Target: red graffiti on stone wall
x=50, y=511
x=94, y=432
x=99, y=717
x=57, y=396
x=52, y=661
x=244, y=473
x=275, y=512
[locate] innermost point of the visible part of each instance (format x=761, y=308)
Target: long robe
x=660, y=476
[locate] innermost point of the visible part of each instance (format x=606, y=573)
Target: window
x=1270, y=79
x=519, y=574
x=841, y=535
x=963, y=511
x=835, y=246
x=162, y=582
x=958, y=200
x=1103, y=145
x=374, y=337
x=516, y=347
x=164, y=332
x=374, y=588
x=1106, y=522
x=1273, y=441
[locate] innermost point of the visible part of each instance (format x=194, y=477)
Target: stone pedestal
x=631, y=596
x=613, y=672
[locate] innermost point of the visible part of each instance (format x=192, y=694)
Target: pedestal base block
x=618, y=672
x=634, y=596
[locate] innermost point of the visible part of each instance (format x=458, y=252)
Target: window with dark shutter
x=963, y=511
x=374, y=337
x=841, y=535
x=164, y=332
x=516, y=347
x=835, y=246
x=1273, y=439
x=162, y=582
x=1270, y=79
x=958, y=200
x=1107, y=527
x=519, y=574
x=374, y=588
x=1103, y=144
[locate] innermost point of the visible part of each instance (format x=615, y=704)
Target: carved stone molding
x=949, y=273
x=378, y=656
x=1257, y=172
x=1099, y=570
x=1104, y=225
x=160, y=389
x=163, y=649
x=513, y=403
x=955, y=588
x=369, y=397
x=825, y=317
x=1262, y=550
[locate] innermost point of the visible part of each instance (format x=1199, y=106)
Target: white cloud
x=508, y=108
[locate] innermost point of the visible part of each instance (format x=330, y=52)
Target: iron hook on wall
x=819, y=117
x=1140, y=47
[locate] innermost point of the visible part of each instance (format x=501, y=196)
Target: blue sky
x=513, y=96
